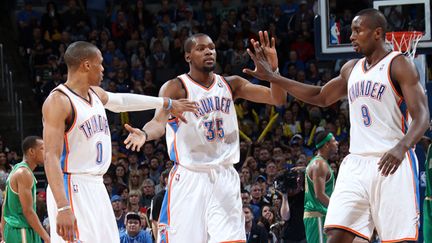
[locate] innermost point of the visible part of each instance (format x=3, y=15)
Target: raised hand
x=391, y=160
x=263, y=69
x=66, y=225
x=182, y=105
x=135, y=139
x=269, y=48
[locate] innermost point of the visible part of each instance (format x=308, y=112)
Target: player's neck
x=204, y=78
x=32, y=165
x=323, y=154
x=376, y=56
x=78, y=88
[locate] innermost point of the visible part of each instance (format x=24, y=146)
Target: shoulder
x=23, y=176
x=173, y=88
x=348, y=67
x=101, y=93
x=400, y=60
x=56, y=98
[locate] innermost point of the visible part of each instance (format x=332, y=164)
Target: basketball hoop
x=404, y=41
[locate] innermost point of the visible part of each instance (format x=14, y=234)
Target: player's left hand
x=182, y=105
x=135, y=139
x=391, y=160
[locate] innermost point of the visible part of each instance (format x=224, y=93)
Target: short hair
x=77, y=52
x=320, y=136
x=375, y=18
x=190, y=41
x=29, y=142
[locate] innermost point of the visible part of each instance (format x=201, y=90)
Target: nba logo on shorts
x=75, y=188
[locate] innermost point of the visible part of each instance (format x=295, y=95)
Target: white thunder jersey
x=211, y=136
x=378, y=113
x=87, y=143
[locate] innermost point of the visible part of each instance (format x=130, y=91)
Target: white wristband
x=132, y=102
x=63, y=208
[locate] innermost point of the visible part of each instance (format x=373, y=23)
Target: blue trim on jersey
x=416, y=178
x=66, y=185
x=63, y=157
x=163, y=216
x=172, y=153
x=403, y=108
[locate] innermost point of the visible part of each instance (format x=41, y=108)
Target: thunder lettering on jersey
x=378, y=114
x=87, y=143
x=211, y=134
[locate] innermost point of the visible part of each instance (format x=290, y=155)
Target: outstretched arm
x=121, y=102
x=155, y=128
x=334, y=90
x=405, y=73
x=24, y=182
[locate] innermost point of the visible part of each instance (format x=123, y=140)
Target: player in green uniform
x=427, y=204
x=319, y=186
x=20, y=222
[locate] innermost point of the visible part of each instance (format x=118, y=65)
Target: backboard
x=333, y=23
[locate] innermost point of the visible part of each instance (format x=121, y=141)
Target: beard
x=208, y=69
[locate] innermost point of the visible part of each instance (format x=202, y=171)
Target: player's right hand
x=182, y=105
x=66, y=225
x=135, y=139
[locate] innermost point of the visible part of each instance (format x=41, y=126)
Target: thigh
x=314, y=228
x=349, y=207
x=12, y=234
x=225, y=214
x=182, y=216
x=395, y=203
x=93, y=211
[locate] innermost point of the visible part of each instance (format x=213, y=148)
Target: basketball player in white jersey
x=78, y=147
x=202, y=202
x=376, y=185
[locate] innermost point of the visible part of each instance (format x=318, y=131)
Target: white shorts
x=92, y=208
x=202, y=206
x=364, y=200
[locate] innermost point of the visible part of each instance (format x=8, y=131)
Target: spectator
x=116, y=202
x=134, y=232
x=148, y=192
x=254, y=233
x=133, y=204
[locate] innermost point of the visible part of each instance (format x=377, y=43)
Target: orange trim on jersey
x=71, y=201
x=391, y=82
x=403, y=239
x=200, y=85
x=66, y=160
x=347, y=229
x=413, y=183
x=376, y=64
x=184, y=85
x=74, y=118
x=233, y=241
x=228, y=86
x=169, y=195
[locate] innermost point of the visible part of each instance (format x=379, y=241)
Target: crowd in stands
x=142, y=49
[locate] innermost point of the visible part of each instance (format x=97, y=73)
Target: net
x=404, y=41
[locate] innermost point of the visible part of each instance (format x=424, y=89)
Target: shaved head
x=79, y=51
x=190, y=41
x=375, y=19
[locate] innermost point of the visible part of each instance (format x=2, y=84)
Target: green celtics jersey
x=13, y=213
x=312, y=204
